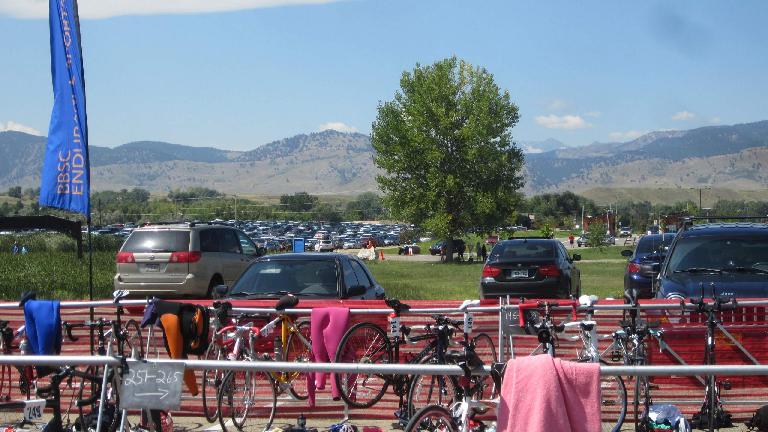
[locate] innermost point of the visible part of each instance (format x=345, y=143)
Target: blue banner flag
x=65, y=180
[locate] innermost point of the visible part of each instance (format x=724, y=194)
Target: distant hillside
x=694, y=157
x=329, y=162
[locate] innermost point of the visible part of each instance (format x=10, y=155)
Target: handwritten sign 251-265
x=149, y=385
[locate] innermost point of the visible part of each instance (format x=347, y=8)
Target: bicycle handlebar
x=100, y=324
x=522, y=307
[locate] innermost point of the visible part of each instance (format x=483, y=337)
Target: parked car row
x=192, y=260
x=714, y=259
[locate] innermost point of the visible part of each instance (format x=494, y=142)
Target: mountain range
x=332, y=162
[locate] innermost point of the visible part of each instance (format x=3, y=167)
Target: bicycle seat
x=25, y=297
x=396, y=305
x=286, y=302
x=118, y=295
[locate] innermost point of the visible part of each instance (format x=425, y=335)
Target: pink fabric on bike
x=328, y=326
x=542, y=393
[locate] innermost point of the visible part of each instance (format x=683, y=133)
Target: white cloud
x=96, y=9
x=18, y=127
x=337, y=126
x=562, y=122
x=557, y=105
x=715, y=120
x=626, y=136
x=683, y=116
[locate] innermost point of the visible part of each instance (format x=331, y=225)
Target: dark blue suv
x=728, y=258
x=644, y=263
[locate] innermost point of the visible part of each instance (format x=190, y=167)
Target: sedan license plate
x=152, y=267
x=514, y=274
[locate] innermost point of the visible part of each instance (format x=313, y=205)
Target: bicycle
x=712, y=414
x=368, y=343
x=238, y=391
x=127, y=339
x=238, y=396
x=629, y=347
x=212, y=378
x=15, y=415
x=462, y=414
x=613, y=392
x=7, y=345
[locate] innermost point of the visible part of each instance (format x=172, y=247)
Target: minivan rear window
x=157, y=241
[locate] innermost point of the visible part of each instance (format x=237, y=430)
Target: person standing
x=16, y=248
x=477, y=250
x=570, y=239
x=485, y=253
x=24, y=250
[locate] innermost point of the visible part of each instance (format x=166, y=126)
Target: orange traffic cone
x=381, y=255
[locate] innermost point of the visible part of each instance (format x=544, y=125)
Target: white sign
x=33, y=409
x=151, y=385
x=394, y=327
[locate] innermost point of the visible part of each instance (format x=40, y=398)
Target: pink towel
x=328, y=326
x=542, y=393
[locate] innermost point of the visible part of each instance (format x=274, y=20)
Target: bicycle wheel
x=486, y=350
x=431, y=389
x=613, y=394
x=363, y=343
x=296, y=351
x=87, y=389
x=133, y=340
x=432, y=418
x=212, y=379
x=247, y=400
x=5, y=382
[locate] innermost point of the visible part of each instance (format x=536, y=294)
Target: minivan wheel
x=216, y=280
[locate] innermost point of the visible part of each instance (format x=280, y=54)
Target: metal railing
x=386, y=369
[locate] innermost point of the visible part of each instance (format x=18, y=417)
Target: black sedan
x=532, y=268
x=306, y=275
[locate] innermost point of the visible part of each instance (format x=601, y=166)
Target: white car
x=324, y=246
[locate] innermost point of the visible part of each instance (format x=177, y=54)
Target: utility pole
x=699, y=200
x=235, y=210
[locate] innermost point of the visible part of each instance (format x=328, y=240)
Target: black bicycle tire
x=214, y=385
x=623, y=393
x=413, y=385
x=226, y=385
x=439, y=411
x=487, y=379
x=133, y=338
x=301, y=325
x=340, y=356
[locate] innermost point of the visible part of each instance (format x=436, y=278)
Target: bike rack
x=417, y=369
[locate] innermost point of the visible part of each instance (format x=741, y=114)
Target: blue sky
x=188, y=73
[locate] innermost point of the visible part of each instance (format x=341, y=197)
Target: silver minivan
x=182, y=260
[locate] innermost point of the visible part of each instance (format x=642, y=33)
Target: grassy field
x=55, y=275
x=59, y=275
x=605, y=196
x=425, y=281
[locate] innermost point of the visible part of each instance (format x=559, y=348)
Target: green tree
x=367, y=206
x=596, y=235
x=14, y=192
x=298, y=202
x=445, y=147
